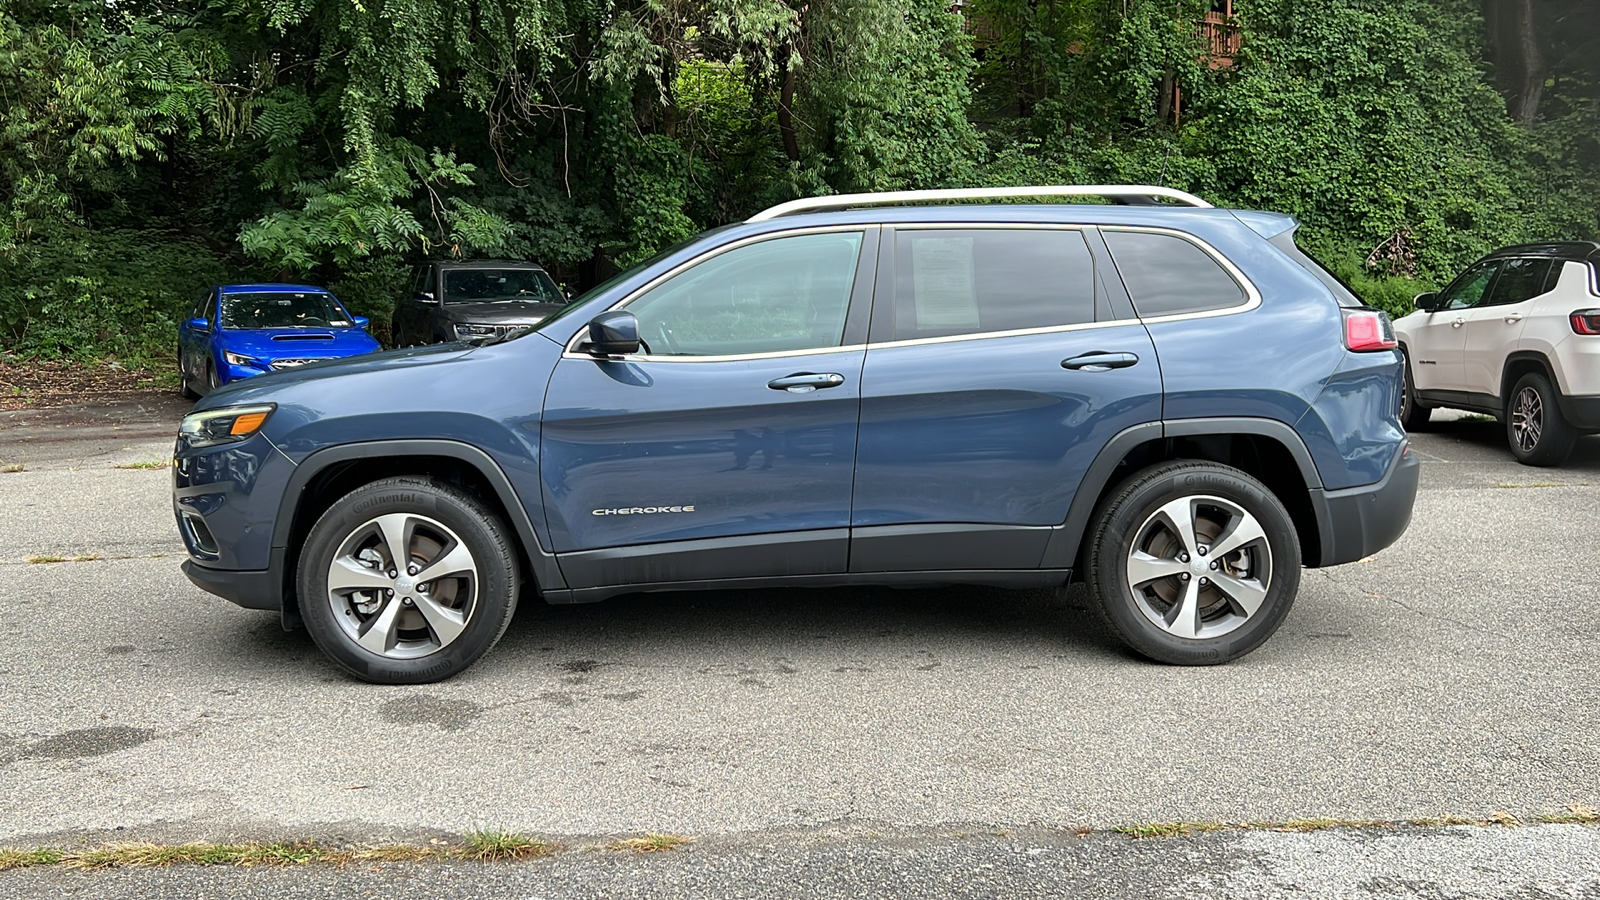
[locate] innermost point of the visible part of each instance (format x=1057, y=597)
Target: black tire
x=188, y=393
x=1535, y=429
x=1413, y=415
x=417, y=639
x=211, y=377
x=1219, y=499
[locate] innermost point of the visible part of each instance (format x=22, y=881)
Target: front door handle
x=806, y=382
x=1100, y=361
x=1514, y=318
x=1457, y=322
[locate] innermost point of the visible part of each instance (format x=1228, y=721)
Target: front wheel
x=1535, y=428
x=407, y=581
x=1194, y=563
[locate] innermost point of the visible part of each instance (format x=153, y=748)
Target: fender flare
x=547, y=574
x=1062, y=550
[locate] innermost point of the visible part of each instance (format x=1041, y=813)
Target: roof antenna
x=1161, y=180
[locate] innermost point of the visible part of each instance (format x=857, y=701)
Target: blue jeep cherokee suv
x=1168, y=401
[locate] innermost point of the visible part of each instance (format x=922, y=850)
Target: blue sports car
x=240, y=330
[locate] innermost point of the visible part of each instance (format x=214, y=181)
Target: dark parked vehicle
x=242, y=330
x=457, y=301
x=1172, y=403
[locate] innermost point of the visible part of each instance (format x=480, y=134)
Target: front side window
x=282, y=309
x=785, y=294
x=980, y=280
x=499, y=285
x=1167, y=275
x=1468, y=290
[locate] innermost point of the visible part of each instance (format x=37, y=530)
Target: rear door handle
x=1099, y=361
x=806, y=382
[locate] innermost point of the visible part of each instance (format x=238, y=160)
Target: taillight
x=1368, y=330
x=1585, y=321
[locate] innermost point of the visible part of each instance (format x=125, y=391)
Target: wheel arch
x=1266, y=449
x=326, y=475
x=1520, y=363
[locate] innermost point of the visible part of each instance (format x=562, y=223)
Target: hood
x=260, y=388
x=296, y=343
x=504, y=312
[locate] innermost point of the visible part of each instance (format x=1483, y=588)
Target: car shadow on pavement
x=1489, y=435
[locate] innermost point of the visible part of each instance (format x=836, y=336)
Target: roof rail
x=1136, y=192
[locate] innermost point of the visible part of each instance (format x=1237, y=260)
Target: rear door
x=1494, y=325
x=726, y=447
x=996, y=370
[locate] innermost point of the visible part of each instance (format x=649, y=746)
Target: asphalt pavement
x=1456, y=673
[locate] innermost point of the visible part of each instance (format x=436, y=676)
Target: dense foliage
x=148, y=149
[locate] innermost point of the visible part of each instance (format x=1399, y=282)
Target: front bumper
x=249, y=589
x=1357, y=522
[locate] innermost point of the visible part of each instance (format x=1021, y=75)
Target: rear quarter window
x=1167, y=275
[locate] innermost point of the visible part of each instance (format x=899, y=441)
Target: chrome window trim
x=1252, y=296
x=570, y=351
x=986, y=335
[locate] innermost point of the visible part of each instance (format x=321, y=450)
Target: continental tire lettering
x=640, y=510
x=370, y=502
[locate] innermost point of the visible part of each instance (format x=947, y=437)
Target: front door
x=1494, y=326
x=726, y=447
x=996, y=372
x=1437, y=345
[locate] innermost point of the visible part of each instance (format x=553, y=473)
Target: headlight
x=471, y=331
x=235, y=359
x=222, y=426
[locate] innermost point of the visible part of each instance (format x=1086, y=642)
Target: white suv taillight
x=1585, y=321
x=1368, y=330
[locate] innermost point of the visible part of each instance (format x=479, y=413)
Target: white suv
x=1517, y=336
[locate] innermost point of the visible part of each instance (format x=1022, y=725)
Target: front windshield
x=282, y=309
x=500, y=285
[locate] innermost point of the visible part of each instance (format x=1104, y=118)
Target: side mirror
x=199, y=324
x=425, y=297
x=613, y=333
x=1426, y=301
x=361, y=321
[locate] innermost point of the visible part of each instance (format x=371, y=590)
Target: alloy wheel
x=403, y=586
x=1527, y=419
x=1199, y=567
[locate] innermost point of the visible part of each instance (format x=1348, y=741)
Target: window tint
x=1467, y=290
x=789, y=293
x=1520, y=280
x=282, y=309
x=1167, y=275
x=498, y=285
x=1554, y=277
x=972, y=281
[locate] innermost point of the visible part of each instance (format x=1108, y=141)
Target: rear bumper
x=1582, y=412
x=1358, y=522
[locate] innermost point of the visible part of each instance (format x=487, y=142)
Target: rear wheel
x=187, y=392
x=1194, y=563
x=407, y=581
x=1535, y=428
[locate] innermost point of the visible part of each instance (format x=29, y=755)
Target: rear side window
x=1520, y=280
x=1168, y=275
x=981, y=280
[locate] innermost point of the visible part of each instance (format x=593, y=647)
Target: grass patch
x=28, y=859
x=144, y=464
x=501, y=846
x=1167, y=829
x=13, y=468
x=650, y=843
x=52, y=558
x=1535, y=484
x=1573, y=814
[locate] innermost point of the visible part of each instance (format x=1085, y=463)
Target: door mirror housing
x=1426, y=301
x=614, y=333
x=426, y=297
x=361, y=321
x=199, y=324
